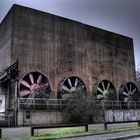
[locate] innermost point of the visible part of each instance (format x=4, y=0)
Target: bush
x=79, y=107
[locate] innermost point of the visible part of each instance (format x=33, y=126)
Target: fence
x=120, y=105
x=37, y=103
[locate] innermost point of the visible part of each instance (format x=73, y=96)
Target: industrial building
x=44, y=57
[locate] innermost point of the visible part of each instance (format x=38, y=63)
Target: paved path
x=107, y=136
x=135, y=139
x=23, y=133
x=19, y=133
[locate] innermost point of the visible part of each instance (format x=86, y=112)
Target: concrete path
x=135, y=139
x=23, y=133
x=19, y=133
x=109, y=136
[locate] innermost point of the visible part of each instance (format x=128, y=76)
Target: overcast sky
x=119, y=16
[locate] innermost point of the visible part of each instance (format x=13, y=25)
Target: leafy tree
x=80, y=108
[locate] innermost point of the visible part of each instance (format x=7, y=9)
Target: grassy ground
x=58, y=133
x=67, y=132
x=123, y=129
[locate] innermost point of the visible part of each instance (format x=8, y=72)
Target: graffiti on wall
x=121, y=115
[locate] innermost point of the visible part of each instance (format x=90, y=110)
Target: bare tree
x=137, y=76
x=138, y=73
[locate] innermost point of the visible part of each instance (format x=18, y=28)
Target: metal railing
x=38, y=103
x=121, y=105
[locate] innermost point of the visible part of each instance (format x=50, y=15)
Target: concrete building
x=61, y=54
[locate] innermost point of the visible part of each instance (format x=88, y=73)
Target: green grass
x=59, y=133
x=123, y=129
x=68, y=132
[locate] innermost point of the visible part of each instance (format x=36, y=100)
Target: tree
x=80, y=108
x=138, y=73
x=138, y=77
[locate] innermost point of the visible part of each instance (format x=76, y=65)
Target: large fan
x=105, y=90
x=71, y=84
x=34, y=85
x=128, y=92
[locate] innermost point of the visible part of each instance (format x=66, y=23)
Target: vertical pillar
x=8, y=102
x=105, y=126
x=8, y=97
x=138, y=123
x=16, y=104
x=0, y=133
x=86, y=127
x=32, y=131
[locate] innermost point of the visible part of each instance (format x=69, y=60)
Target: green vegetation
x=123, y=129
x=68, y=132
x=59, y=133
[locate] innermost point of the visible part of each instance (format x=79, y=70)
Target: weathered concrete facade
x=60, y=47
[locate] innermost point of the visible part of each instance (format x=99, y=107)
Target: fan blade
x=99, y=89
x=103, y=85
x=126, y=99
x=126, y=94
x=31, y=78
x=23, y=82
x=130, y=87
x=24, y=92
x=134, y=90
x=65, y=88
x=39, y=79
x=99, y=96
x=108, y=85
x=76, y=82
x=69, y=81
x=127, y=88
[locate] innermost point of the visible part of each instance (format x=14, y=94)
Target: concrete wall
x=6, y=40
x=5, y=53
x=60, y=47
x=122, y=115
x=40, y=117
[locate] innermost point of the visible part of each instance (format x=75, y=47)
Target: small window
x=27, y=114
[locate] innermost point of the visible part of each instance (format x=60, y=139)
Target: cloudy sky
x=119, y=16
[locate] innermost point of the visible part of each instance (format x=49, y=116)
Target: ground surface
x=20, y=133
x=23, y=133
x=107, y=136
